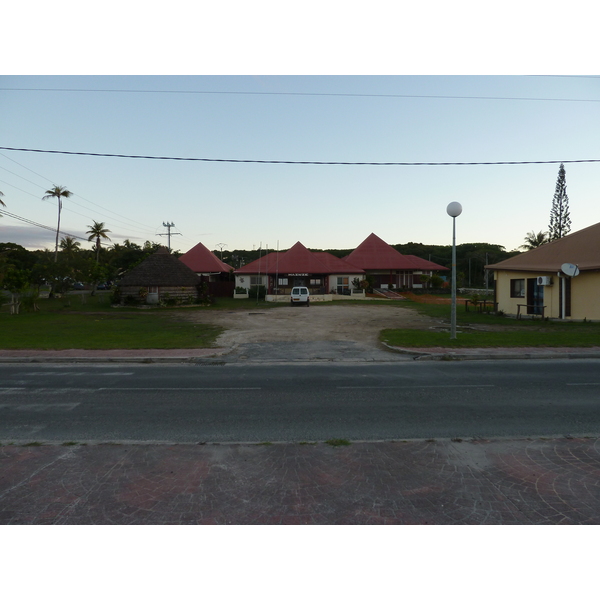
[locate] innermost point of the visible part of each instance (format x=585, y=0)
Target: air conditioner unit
x=544, y=280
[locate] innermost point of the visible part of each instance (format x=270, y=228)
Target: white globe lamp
x=454, y=209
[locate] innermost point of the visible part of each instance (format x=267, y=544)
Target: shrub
x=204, y=296
x=240, y=290
x=115, y=295
x=436, y=281
x=257, y=291
x=29, y=300
x=166, y=300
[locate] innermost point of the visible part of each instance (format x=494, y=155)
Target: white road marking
x=73, y=373
x=56, y=391
x=42, y=407
x=410, y=387
x=174, y=389
x=49, y=391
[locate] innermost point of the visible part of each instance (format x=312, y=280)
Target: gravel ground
x=317, y=323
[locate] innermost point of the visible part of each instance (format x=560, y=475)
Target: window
x=342, y=286
x=315, y=282
x=256, y=281
x=283, y=281
x=517, y=288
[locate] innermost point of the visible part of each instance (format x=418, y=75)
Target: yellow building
x=532, y=283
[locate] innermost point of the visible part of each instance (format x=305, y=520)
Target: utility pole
x=220, y=246
x=169, y=234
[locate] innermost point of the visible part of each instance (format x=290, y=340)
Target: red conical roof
x=298, y=259
x=375, y=254
x=201, y=260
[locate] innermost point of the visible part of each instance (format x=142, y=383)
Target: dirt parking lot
x=319, y=322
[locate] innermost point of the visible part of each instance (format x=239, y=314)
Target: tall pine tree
x=560, y=221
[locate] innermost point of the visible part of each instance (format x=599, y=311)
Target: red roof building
x=320, y=272
x=210, y=270
x=204, y=262
x=388, y=267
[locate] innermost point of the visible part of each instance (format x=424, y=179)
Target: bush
x=240, y=290
x=166, y=300
x=29, y=300
x=257, y=291
x=204, y=296
x=115, y=295
x=436, y=281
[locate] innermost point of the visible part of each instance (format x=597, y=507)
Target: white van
x=300, y=296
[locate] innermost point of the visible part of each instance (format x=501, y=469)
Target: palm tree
x=96, y=232
x=69, y=245
x=533, y=240
x=58, y=192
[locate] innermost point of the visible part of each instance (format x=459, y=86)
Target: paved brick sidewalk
x=416, y=482
x=115, y=355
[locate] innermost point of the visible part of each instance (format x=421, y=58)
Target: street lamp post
x=453, y=209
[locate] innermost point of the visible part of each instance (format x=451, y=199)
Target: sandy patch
x=319, y=322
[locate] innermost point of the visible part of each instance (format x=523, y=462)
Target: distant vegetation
x=22, y=268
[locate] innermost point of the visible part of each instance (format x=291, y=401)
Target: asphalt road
x=260, y=403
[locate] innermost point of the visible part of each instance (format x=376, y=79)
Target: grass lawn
x=508, y=333
x=511, y=338
x=93, y=324
x=68, y=323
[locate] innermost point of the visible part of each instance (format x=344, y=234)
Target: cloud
x=36, y=238
x=30, y=237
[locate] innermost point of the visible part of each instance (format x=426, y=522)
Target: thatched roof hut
x=159, y=277
x=160, y=269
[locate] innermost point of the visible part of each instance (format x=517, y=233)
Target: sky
x=417, y=114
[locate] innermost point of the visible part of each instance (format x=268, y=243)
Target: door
x=566, y=281
x=535, y=297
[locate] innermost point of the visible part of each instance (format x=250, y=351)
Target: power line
x=145, y=229
x=30, y=222
x=308, y=162
x=341, y=95
x=21, y=177
x=34, y=172
x=18, y=188
x=65, y=208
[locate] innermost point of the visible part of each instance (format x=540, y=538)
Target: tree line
x=69, y=263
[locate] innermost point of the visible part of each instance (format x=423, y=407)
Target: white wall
x=247, y=279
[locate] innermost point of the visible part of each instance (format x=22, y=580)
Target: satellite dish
x=570, y=270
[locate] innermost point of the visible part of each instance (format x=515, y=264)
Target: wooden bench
x=530, y=306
